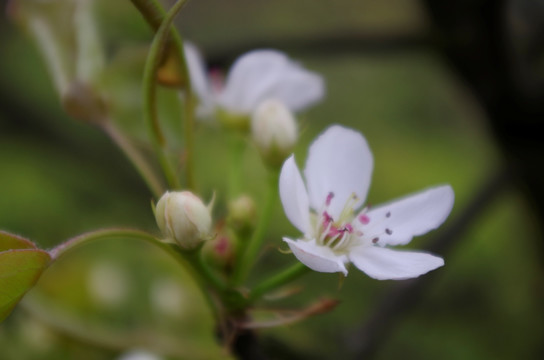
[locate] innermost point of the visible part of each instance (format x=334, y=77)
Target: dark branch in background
x=496, y=47
x=480, y=41
x=364, y=342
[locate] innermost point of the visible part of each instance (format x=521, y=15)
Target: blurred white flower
x=337, y=172
x=138, y=355
x=255, y=76
x=168, y=297
x=108, y=283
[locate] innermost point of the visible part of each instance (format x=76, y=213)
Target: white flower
x=338, y=171
x=255, y=76
x=138, y=355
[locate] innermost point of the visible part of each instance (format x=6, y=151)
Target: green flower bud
x=274, y=131
x=183, y=218
x=242, y=213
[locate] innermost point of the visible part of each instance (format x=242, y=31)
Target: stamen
x=388, y=214
x=325, y=233
x=329, y=198
x=388, y=231
x=348, y=228
x=342, y=240
x=327, y=218
x=331, y=240
x=375, y=240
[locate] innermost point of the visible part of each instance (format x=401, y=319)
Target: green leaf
x=10, y=241
x=21, y=265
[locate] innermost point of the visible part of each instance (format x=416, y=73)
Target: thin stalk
x=237, y=145
x=138, y=161
x=90, y=54
x=185, y=261
x=189, y=121
x=150, y=94
x=248, y=257
x=92, y=236
x=278, y=280
x=52, y=52
x=194, y=258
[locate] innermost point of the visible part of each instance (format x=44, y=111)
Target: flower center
x=338, y=234
x=347, y=231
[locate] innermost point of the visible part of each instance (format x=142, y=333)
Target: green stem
x=248, y=257
x=150, y=94
x=278, y=280
x=77, y=241
x=189, y=120
x=52, y=51
x=92, y=236
x=194, y=258
x=139, y=162
x=237, y=145
x=154, y=14
x=90, y=54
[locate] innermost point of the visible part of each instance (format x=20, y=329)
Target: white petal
x=294, y=197
x=264, y=74
x=339, y=161
x=197, y=73
x=317, y=258
x=410, y=216
x=386, y=264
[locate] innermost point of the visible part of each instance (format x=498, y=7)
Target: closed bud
x=274, y=131
x=183, y=218
x=242, y=213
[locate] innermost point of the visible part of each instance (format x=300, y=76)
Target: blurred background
x=444, y=92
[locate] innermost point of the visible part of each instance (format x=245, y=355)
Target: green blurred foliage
x=60, y=178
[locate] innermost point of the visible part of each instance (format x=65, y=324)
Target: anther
x=388, y=231
x=329, y=198
x=388, y=214
x=375, y=240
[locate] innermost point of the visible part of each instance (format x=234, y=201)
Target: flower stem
x=278, y=280
x=202, y=274
x=248, y=257
x=194, y=258
x=150, y=95
x=90, y=53
x=77, y=241
x=189, y=122
x=52, y=51
x=237, y=145
x=139, y=162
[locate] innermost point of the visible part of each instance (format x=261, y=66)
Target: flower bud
x=183, y=218
x=242, y=213
x=221, y=251
x=274, y=131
